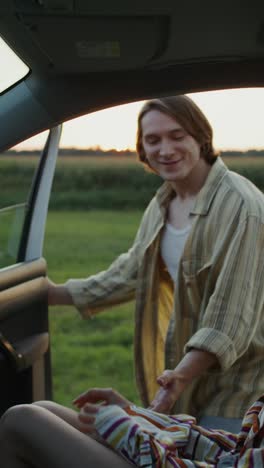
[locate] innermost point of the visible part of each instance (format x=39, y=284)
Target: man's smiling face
x=170, y=151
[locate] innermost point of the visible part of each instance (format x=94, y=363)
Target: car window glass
x=11, y=219
x=17, y=168
x=11, y=66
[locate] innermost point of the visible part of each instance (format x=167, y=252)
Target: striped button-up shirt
x=216, y=305
x=148, y=439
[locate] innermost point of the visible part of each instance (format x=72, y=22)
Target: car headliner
x=85, y=56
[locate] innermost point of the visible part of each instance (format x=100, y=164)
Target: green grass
x=96, y=352
x=102, y=183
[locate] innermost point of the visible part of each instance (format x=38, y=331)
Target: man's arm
x=173, y=382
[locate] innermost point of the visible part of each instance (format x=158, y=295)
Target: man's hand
x=58, y=294
x=173, y=382
x=172, y=386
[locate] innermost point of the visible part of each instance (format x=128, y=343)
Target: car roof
x=85, y=56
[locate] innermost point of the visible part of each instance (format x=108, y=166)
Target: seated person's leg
x=31, y=436
x=67, y=414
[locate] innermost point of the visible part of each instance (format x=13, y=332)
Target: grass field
x=96, y=352
x=101, y=183
x=231, y=161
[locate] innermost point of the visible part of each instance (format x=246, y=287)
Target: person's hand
x=51, y=292
x=90, y=402
x=172, y=386
x=102, y=396
x=87, y=417
x=58, y=294
x=173, y=382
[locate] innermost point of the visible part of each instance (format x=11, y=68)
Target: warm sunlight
x=236, y=116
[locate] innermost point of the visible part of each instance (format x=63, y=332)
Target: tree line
x=123, y=153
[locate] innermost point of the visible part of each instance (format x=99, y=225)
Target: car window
x=17, y=169
x=12, y=67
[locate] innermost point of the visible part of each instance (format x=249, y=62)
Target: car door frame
x=25, y=360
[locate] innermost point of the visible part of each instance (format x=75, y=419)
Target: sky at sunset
x=236, y=117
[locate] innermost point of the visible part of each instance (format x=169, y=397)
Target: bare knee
x=47, y=404
x=55, y=408
x=14, y=420
x=67, y=414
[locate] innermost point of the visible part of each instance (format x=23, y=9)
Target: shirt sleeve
x=235, y=308
x=107, y=288
x=115, y=285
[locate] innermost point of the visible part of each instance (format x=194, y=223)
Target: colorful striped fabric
x=149, y=439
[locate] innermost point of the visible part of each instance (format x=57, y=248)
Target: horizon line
x=124, y=150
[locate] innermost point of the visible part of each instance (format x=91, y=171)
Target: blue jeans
x=217, y=422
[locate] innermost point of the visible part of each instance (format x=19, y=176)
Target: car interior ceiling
x=86, y=56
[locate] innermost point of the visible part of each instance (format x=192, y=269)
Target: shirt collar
x=206, y=194
x=210, y=187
